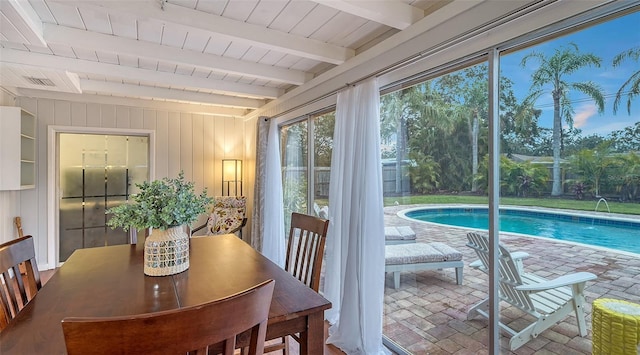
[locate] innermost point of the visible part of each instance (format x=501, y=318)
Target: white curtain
x=354, y=278
x=267, y=227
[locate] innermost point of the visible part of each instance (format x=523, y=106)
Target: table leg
x=312, y=340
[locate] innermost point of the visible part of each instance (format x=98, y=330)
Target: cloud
x=583, y=113
x=603, y=126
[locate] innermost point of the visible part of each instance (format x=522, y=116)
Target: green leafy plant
x=160, y=204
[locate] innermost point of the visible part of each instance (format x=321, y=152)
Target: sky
x=605, y=40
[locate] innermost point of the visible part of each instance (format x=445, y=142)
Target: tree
x=552, y=74
x=627, y=139
x=518, y=124
x=294, y=150
x=323, y=138
x=519, y=179
x=536, y=145
x=393, y=109
x=632, y=85
x=629, y=185
x=396, y=109
x=593, y=165
x=425, y=173
x=467, y=94
x=432, y=141
x=573, y=141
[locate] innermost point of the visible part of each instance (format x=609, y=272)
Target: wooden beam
x=394, y=14
x=137, y=74
x=120, y=45
x=104, y=87
x=219, y=26
x=123, y=101
x=23, y=18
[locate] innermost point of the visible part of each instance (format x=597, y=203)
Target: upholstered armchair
x=228, y=215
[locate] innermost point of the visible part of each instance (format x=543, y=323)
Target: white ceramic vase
x=166, y=252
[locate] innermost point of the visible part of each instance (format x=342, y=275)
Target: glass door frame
x=53, y=193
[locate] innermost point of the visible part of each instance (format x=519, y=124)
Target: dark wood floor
x=328, y=349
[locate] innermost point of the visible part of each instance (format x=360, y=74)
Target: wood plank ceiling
x=228, y=57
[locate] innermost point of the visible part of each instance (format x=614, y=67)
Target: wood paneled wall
x=9, y=200
x=193, y=143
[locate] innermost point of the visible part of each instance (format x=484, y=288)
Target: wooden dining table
x=109, y=281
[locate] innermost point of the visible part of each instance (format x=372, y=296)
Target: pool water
x=610, y=233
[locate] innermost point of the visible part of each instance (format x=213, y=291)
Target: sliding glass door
x=568, y=134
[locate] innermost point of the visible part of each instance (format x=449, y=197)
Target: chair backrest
x=176, y=331
x=306, y=248
x=509, y=271
x=16, y=288
x=228, y=215
x=18, y=223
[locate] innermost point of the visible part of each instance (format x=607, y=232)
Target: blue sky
x=604, y=40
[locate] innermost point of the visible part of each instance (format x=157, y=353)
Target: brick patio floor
x=428, y=313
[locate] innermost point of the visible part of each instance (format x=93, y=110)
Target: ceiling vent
x=39, y=81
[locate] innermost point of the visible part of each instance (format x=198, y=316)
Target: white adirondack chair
x=548, y=301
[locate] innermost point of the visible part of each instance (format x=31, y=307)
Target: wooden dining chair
x=189, y=329
x=305, y=251
x=18, y=222
x=17, y=288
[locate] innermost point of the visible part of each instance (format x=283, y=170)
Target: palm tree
x=630, y=176
x=593, y=165
x=397, y=109
x=466, y=92
x=393, y=110
x=632, y=84
x=432, y=122
x=553, y=71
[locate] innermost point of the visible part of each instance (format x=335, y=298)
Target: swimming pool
x=615, y=233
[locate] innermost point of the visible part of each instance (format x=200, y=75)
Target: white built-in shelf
x=17, y=149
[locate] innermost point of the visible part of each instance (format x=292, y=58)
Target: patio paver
x=427, y=314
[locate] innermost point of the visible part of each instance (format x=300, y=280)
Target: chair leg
x=286, y=350
x=459, y=275
x=578, y=308
x=482, y=305
x=282, y=345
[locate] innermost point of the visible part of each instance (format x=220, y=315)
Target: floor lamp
x=231, y=177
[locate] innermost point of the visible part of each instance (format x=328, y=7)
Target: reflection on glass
x=323, y=148
x=294, y=169
x=96, y=172
x=571, y=151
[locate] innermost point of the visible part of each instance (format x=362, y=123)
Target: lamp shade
x=231, y=177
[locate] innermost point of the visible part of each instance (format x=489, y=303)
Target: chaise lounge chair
x=399, y=235
x=548, y=301
x=421, y=256
x=392, y=234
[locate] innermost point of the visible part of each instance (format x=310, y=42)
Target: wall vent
x=39, y=81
